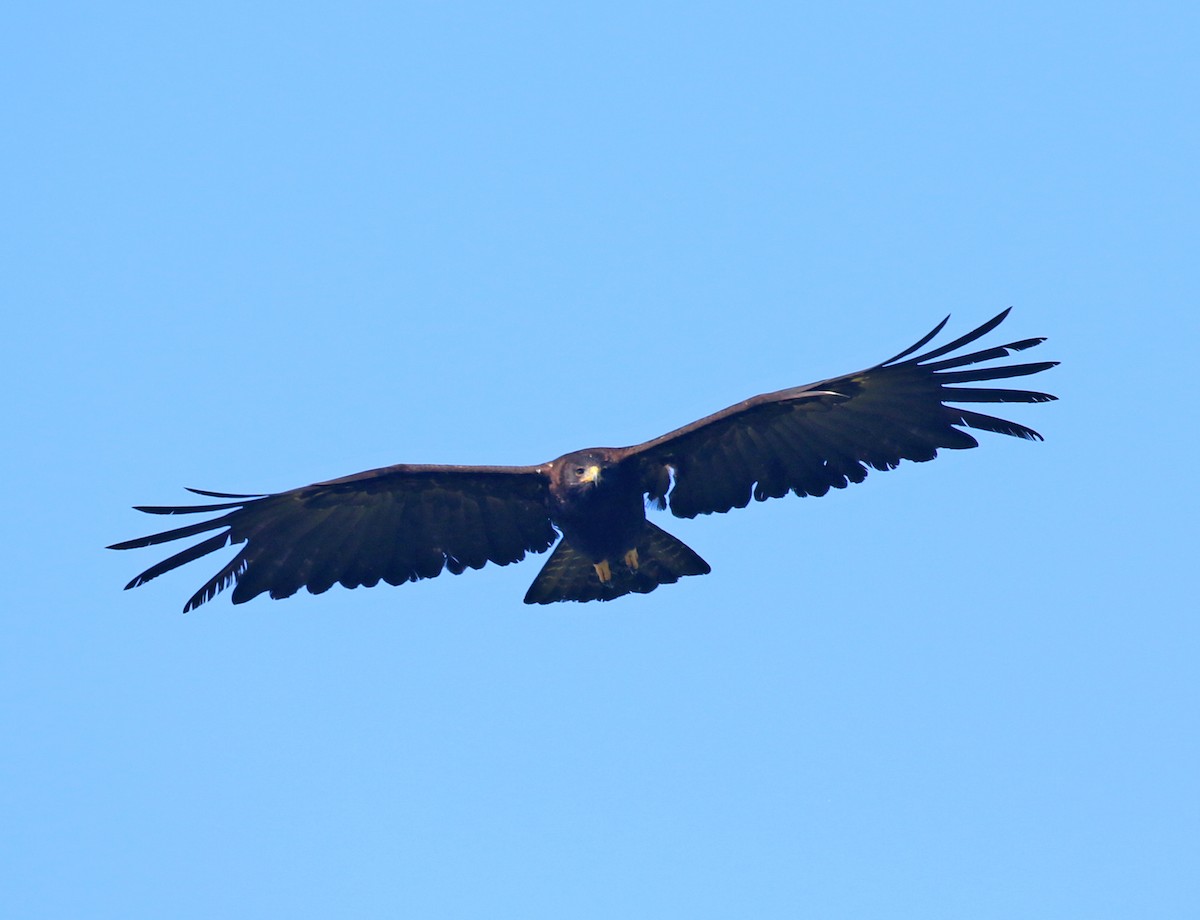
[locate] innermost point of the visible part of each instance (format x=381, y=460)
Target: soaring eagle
x=406, y=522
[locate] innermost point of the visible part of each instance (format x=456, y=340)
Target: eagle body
x=408, y=522
x=608, y=548
x=596, y=502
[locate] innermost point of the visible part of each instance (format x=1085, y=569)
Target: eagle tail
x=569, y=575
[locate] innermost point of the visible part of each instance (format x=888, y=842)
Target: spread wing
x=396, y=524
x=808, y=439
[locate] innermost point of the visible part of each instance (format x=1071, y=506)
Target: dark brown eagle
x=406, y=522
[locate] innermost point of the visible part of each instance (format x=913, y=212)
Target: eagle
x=411, y=521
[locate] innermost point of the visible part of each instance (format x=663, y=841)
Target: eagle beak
x=592, y=474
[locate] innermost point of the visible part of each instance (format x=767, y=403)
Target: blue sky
x=251, y=248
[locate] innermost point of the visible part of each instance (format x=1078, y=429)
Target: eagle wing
x=395, y=524
x=825, y=435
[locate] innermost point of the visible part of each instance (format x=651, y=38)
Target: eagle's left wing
x=824, y=435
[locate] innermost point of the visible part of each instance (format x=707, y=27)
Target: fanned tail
x=569, y=575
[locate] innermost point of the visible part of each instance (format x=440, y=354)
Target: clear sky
x=248, y=247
